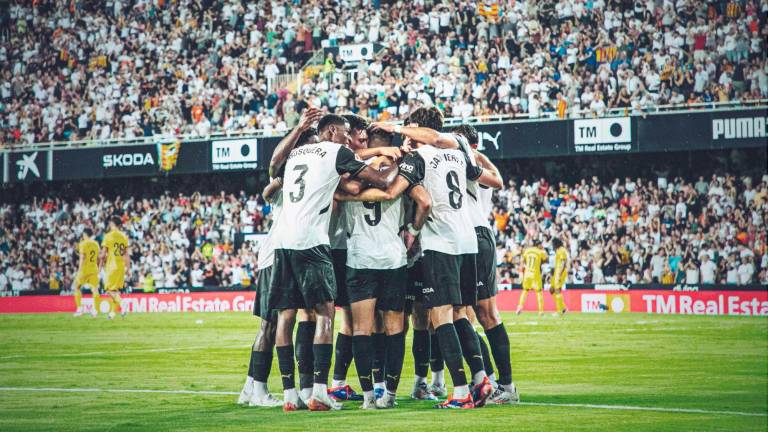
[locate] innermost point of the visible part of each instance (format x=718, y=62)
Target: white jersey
x=374, y=241
x=267, y=249
x=338, y=229
x=479, y=201
x=312, y=173
x=449, y=228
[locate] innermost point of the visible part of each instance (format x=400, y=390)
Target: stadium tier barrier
x=660, y=132
x=747, y=300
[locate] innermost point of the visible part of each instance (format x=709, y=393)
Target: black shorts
x=486, y=263
x=415, y=284
x=302, y=279
x=261, y=300
x=449, y=279
x=340, y=271
x=387, y=286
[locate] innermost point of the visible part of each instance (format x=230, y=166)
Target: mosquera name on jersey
x=444, y=172
x=312, y=173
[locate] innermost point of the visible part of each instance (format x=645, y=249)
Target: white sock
x=260, y=389
x=320, y=390
x=460, y=392
x=368, y=395
x=248, y=384
x=379, y=385
x=305, y=393
x=290, y=395
x=492, y=377
x=418, y=380
x=338, y=383
x=508, y=387
x=438, y=378
x=478, y=377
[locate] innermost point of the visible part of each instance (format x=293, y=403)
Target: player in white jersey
x=449, y=245
x=376, y=277
x=486, y=310
x=255, y=391
x=303, y=271
x=343, y=349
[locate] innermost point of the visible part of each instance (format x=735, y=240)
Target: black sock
x=262, y=365
x=286, y=364
x=436, y=362
x=421, y=350
x=250, y=363
x=470, y=346
x=323, y=354
x=451, y=349
x=379, y=341
x=304, y=356
x=394, y=363
x=363, y=354
x=343, y=356
x=486, y=355
x=499, y=341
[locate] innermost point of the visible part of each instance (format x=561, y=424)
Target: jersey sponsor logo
x=26, y=165
x=739, y=128
x=127, y=160
x=234, y=154
x=406, y=167
x=427, y=290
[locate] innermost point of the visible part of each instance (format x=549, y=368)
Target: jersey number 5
x=302, y=169
x=376, y=207
x=454, y=196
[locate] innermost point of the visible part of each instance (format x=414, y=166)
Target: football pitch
x=580, y=372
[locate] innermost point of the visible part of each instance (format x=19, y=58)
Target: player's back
x=89, y=255
x=532, y=259
x=116, y=245
x=449, y=228
x=266, y=253
x=310, y=179
x=373, y=234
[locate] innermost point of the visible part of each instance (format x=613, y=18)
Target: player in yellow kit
x=559, y=275
x=532, y=259
x=117, y=264
x=87, y=272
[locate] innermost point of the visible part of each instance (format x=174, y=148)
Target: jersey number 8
x=454, y=196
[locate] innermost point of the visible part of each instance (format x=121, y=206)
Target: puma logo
x=485, y=136
x=289, y=376
x=365, y=378
x=477, y=356
x=393, y=377
x=317, y=373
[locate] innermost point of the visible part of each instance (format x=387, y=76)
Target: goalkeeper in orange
x=532, y=259
x=559, y=274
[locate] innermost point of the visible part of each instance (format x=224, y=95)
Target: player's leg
x=322, y=349
x=78, y=297
x=391, y=303
x=304, y=356
x=437, y=386
x=286, y=319
x=539, y=297
x=470, y=347
x=96, y=297
x=421, y=351
x=489, y=318
x=261, y=361
x=379, y=340
x=523, y=294
x=362, y=346
x=557, y=293
x=343, y=352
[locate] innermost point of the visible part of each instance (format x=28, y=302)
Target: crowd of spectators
x=645, y=230
x=95, y=69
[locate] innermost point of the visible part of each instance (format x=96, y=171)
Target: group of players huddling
x=394, y=236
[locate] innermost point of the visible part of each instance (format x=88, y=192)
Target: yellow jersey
x=532, y=259
x=89, y=256
x=116, y=245
x=561, y=268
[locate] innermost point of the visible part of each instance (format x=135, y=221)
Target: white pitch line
x=547, y=404
x=121, y=352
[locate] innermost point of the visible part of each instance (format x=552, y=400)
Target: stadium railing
x=451, y=121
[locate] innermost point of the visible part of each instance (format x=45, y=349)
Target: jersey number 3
x=302, y=169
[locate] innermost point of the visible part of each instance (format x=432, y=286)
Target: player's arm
x=481, y=175
x=349, y=186
x=393, y=153
x=347, y=163
x=420, y=134
x=272, y=188
x=491, y=170
x=284, y=147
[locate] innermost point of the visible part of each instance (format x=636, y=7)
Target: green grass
x=704, y=363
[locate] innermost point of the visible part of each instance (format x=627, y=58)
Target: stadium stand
x=89, y=69
x=664, y=229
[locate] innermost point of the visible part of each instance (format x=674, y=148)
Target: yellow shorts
x=534, y=284
x=114, y=282
x=558, y=287
x=88, y=280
